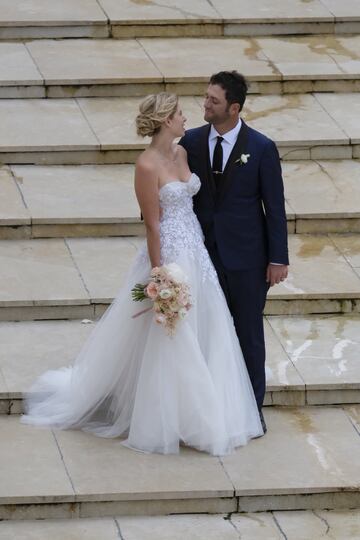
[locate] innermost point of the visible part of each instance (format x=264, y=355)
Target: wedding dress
x=133, y=380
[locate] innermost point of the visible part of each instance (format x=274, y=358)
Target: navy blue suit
x=244, y=225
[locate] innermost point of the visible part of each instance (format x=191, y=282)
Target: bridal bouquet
x=169, y=293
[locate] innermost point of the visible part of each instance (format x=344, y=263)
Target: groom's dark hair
x=234, y=84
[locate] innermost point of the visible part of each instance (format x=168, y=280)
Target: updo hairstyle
x=154, y=110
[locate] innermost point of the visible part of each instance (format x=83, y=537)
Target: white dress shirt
x=227, y=144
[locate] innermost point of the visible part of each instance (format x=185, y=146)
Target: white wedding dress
x=132, y=380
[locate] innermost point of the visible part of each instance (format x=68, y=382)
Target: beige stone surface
x=172, y=58
x=64, y=529
x=331, y=524
x=41, y=474
x=29, y=348
x=256, y=526
x=345, y=50
x=17, y=66
x=323, y=189
x=293, y=119
x=99, y=467
x=191, y=527
x=317, y=270
x=353, y=411
x=344, y=10
x=12, y=207
x=43, y=12
x=146, y=12
x=86, y=194
x=324, y=350
x=103, y=264
x=315, y=449
x=305, y=57
x=349, y=246
x=296, y=525
x=39, y=272
x=88, y=61
x=347, y=117
x=48, y=124
x=3, y=386
x=280, y=371
x=113, y=120
x=273, y=10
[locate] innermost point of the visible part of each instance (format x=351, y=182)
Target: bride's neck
x=163, y=143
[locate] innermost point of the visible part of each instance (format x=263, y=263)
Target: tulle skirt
x=133, y=380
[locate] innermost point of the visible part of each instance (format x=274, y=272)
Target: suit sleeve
x=272, y=193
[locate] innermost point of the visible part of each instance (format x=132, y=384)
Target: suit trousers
x=245, y=292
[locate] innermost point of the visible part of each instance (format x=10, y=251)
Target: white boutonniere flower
x=244, y=158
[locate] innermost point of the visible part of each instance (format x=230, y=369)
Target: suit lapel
x=239, y=148
x=205, y=161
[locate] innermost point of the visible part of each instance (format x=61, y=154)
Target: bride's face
x=177, y=123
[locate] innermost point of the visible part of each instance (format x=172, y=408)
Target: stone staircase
x=71, y=78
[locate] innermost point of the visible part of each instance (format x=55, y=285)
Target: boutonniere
x=244, y=158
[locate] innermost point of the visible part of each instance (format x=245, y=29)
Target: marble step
x=88, y=68
x=77, y=278
x=305, y=462
x=99, y=200
x=109, y=18
x=311, y=360
x=102, y=130
x=277, y=525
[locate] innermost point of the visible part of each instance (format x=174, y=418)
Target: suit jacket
x=246, y=219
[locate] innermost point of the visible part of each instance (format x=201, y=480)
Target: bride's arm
x=147, y=193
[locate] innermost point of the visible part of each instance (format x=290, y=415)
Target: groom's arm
x=272, y=193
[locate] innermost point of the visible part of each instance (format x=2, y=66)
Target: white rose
x=165, y=294
x=244, y=158
x=175, y=272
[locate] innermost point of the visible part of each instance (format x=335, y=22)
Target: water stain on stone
x=143, y=2
x=291, y=101
x=328, y=45
x=253, y=49
x=303, y=422
x=313, y=247
x=314, y=331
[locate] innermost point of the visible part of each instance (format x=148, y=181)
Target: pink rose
x=152, y=290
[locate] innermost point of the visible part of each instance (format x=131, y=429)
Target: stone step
x=277, y=525
x=311, y=360
x=99, y=200
x=78, y=277
x=102, y=130
x=109, y=18
x=305, y=461
x=88, y=68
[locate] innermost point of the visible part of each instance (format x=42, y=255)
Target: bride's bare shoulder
x=146, y=169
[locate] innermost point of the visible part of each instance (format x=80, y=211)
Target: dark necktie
x=217, y=165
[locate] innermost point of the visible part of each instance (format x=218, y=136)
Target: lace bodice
x=180, y=230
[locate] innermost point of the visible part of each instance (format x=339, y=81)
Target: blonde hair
x=154, y=110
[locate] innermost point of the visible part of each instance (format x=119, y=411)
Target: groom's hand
x=276, y=273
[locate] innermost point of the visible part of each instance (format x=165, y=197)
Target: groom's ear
x=235, y=109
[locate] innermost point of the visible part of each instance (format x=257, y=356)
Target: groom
x=241, y=209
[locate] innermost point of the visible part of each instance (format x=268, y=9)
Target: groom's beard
x=216, y=118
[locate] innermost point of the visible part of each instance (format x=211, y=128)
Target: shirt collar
x=229, y=136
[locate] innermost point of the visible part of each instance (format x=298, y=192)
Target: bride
x=133, y=380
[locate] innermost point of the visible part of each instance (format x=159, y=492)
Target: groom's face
x=215, y=105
